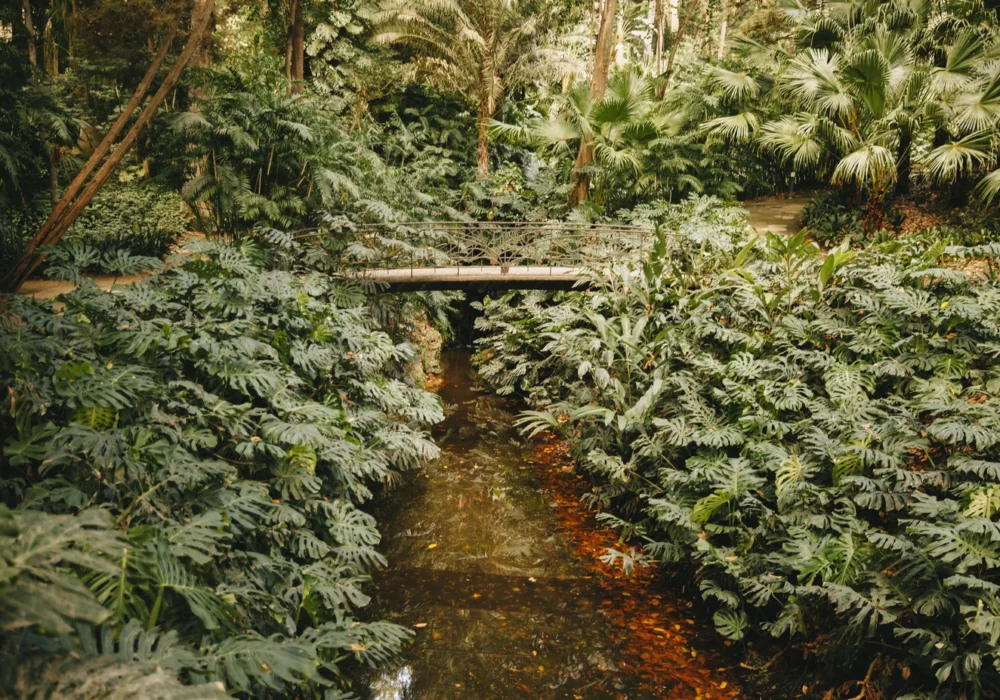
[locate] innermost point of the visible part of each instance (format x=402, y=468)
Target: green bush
x=819, y=436
x=183, y=467
x=17, y=226
x=830, y=220
x=133, y=216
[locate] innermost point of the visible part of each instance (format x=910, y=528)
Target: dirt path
x=50, y=289
x=781, y=216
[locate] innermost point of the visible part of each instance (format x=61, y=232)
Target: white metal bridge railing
x=557, y=245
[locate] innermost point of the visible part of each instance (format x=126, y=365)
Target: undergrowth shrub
x=818, y=435
x=831, y=220
x=183, y=467
x=17, y=226
x=137, y=217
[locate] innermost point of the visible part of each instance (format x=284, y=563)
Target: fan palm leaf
x=957, y=158
x=735, y=127
x=989, y=186
x=866, y=167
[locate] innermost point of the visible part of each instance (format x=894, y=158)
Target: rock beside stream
x=428, y=342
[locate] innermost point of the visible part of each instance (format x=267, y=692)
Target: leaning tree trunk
x=68, y=209
x=678, y=36
x=598, y=84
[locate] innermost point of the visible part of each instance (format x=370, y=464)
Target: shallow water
x=501, y=606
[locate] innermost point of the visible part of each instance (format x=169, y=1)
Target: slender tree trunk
x=68, y=209
x=51, y=49
x=296, y=47
x=105, y=145
x=598, y=85
x=71, y=30
x=874, y=219
x=674, y=15
x=659, y=24
x=482, y=145
x=202, y=57
x=485, y=110
x=29, y=26
x=679, y=35
x=722, y=30
x=50, y=54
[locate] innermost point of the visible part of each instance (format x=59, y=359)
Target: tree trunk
x=485, y=110
x=598, y=85
x=904, y=162
x=51, y=56
x=659, y=25
x=105, y=145
x=602, y=52
x=202, y=56
x=296, y=57
x=50, y=50
x=678, y=36
x=722, y=30
x=483, y=145
x=29, y=27
x=68, y=210
x=71, y=30
x=674, y=15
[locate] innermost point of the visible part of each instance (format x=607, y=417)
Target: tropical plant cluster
x=135, y=216
x=184, y=469
x=815, y=435
x=868, y=92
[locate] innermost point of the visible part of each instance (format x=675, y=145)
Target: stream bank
x=494, y=566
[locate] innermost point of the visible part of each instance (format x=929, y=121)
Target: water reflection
x=500, y=606
x=393, y=686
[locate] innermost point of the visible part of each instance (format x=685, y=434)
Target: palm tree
x=480, y=49
x=619, y=127
x=967, y=106
x=861, y=90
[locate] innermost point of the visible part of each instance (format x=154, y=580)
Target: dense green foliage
x=813, y=434
x=134, y=216
x=817, y=434
x=867, y=89
x=186, y=460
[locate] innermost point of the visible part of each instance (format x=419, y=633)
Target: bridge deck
x=485, y=277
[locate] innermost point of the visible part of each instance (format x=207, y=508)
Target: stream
x=501, y=603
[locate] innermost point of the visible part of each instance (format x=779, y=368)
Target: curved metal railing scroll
x=553, y=244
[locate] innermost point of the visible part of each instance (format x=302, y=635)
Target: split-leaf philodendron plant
x=183, y=464
x=819, y=435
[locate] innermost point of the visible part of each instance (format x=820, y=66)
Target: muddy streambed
x=485, y=570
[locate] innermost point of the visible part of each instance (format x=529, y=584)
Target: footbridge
x=487, y=255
